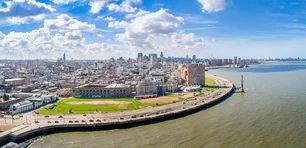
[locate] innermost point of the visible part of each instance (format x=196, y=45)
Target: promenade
x=33, y=124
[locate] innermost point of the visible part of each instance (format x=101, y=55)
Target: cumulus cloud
x=41, y=42
x=125, y=6
x=142, y=28
x=23, y=8
x=1, y=34
x=139, y=13
x=25, y=20
x=117, y=24
x=109, y=18
x=186, y=41
x=212, y=5
x=61, y=2
x=66, y=23
x=97, y=5
x=100, y=36
x=74, y=35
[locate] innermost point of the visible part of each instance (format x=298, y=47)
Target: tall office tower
x=235, y=60
x=161, y=55
x=196, y=74
x=64, y=57
x=194, y=57
x=139, y=57
x=153, y=58
x=239, y=61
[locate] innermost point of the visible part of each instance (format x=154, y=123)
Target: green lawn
x=63, y=106
x=210, y=85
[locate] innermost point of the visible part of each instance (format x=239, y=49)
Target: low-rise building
x=146, y=87
x=102, y=91
x=21, y=107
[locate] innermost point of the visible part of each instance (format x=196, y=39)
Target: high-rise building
x=161, y=55
x=153, y=58
x=139, y=57
x=239, y=61
x=196, y=74
x=194, y=57
x=64, y=57
x=235, y=60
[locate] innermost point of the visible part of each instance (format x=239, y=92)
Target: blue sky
x=100, y=29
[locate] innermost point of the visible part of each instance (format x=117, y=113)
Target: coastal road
x=32, y=121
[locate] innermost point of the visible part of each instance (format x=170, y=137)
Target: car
x=195, y=99
x=184, y=102
x=183, y=107
x=91, y=120
x=187, y=100
x=84, y=114
x=36, y=122
x=157, y=113
x=98, y=120
x=46, y=116
x=70, y=121
x=21, y=116
x=60, y=116
x=83, y=121
x=121, y=118
x=104, y=119
x=203, y=101
x=76, y=121
x=134, y=116
x=56, y=122
x=49, y=121
x=195, y=103
x=141, y=115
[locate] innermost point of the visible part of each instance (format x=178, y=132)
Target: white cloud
x=139, y=13
x=142, y=28
x=125, y=6
x=117, y=24
x=61, y=2
x=97, y=5
x=22, y=8
x=212, y=5
x=74, y=35
x=186, y=41
x=25, y=20
x=109, y=18
x=42, y=43
x=66, y=23
x=100, y=36
x=2, y=34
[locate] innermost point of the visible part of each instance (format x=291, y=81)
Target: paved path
x=32, y=121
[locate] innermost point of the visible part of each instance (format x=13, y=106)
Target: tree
x=33, y=103
x=5, y=97
x=51, y=98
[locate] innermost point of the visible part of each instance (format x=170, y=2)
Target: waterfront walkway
x=36, y=123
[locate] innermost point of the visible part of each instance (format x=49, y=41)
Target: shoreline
x=26, y=132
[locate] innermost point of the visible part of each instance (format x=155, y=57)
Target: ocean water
x=272, y=113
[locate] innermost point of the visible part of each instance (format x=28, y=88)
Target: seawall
x=20, y=136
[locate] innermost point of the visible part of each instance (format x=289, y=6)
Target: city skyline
x=101, y=29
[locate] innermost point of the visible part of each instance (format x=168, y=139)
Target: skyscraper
x=161, y=55
x=64, y=57
x=153, y=58
x=194, y=57
x=196, y=74
x=139, y=57
x=235, y=60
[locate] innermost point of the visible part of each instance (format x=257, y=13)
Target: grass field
x=90, y=105
x=210, y=85
x=63, y=106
